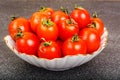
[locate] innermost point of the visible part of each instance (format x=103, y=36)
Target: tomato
x=97, y=24
x=74, y=46
x=67, y=28
x=27, y=43
x=36, y=18
x=18, y=24
x=49, y=50
x=57, y=16
x=81, y=16
x=47, y=29
x=60, y=43
x=47, y=11
x=92, y=39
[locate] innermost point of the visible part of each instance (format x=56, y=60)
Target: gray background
x=106, y=66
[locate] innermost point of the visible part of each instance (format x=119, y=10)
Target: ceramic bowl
x=57, y=64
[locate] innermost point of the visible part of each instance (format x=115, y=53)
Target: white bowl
x=58, y=64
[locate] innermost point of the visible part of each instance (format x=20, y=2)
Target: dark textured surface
x=106, y=66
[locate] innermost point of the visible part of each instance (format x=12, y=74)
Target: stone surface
x=106, y=66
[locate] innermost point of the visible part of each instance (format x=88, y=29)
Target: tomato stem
x=75, y=38
x=92, y=25
x=42, y=8
x=19, y=34
x=64, y=10
x=47, y=22
x=13, y=17
x=78, y=7
x=95, y=15
x=42, y=39
x=47, y=43
x=70, y=21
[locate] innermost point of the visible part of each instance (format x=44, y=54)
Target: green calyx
x=92, y=25
x=64, y=10
x=48, y=22
x=19, y=34
x=78, y=7
x=42, y=8
x=47, y=43
x=70, y=21
x=75, y=38
x=95, y=15
x=13, y=17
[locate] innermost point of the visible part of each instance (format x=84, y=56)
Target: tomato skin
x=36, y=18
x=57, y=16
x=67, y=28
x=49, y=32
x=28, y=43
x=97, y=24
x=49, y=51
x=47, y=11
x=60, y=43
x=73, y=48
x=81, y=16
x=21, y=24
x=92, y=39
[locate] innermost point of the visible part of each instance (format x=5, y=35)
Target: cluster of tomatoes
x=54, y=34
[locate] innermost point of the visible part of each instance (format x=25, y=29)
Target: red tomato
x=92, y=39
x=57, y=16
x=47, y=29
x=18, y=24
x=81, y=16
x=36, y=18
x=60, y=43
x=49, y=50
x=97, y=24
x=48, y=11
x=67, y=28
x=27, y=43
x=73, y=46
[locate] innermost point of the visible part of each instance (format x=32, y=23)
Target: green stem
x=92, y=25
x=19, y=34
x=47, y=43
x=13, y=17
x=42, y=8
x=75, y=38
x=95, y=15
x=69, y=21
x=64, y=10
x=78, y=7
x=47, y=22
